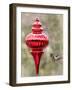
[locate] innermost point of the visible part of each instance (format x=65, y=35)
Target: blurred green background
x=53, y=27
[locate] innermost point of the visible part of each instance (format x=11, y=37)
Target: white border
x=63, y=77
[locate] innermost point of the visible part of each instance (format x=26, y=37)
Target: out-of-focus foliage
x=53, y=27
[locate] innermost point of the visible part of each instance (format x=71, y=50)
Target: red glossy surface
x=37, y=40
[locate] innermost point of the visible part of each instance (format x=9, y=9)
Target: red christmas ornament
x=37, y=40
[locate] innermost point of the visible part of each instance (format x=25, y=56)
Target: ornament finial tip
x=37, y=18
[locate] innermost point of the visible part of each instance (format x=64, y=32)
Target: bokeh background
x=53, y=27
